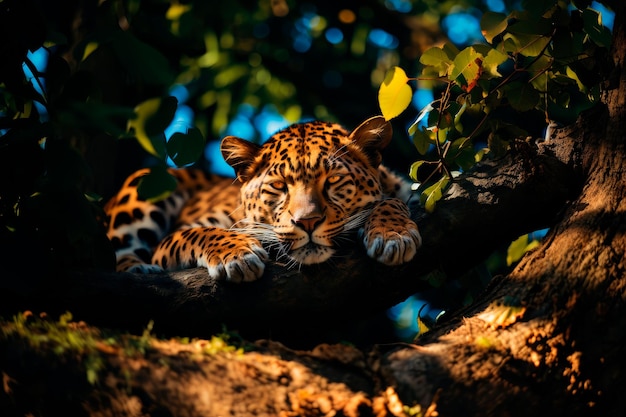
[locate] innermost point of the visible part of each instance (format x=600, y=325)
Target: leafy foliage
x=544, y=60
x=81, y=86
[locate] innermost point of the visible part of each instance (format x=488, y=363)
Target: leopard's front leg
x=226, y=254
x=389, y=234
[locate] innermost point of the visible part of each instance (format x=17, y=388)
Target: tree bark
x=546, y=339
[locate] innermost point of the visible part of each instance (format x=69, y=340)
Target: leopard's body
x=306, y=191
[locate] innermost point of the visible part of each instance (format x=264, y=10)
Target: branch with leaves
x=536, y=61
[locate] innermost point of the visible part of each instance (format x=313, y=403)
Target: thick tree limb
x=493, y=204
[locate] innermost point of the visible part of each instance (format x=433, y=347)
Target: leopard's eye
x=333, y=179
x=278, y=185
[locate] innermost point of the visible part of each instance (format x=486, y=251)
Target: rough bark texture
x=547, y=339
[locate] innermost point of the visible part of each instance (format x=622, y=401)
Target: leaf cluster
x=547, y=59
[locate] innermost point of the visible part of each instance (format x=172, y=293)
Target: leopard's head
x=309, y=185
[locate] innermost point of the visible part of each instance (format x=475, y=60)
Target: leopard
x=311, y=189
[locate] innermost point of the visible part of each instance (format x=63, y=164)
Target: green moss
x=63, y=338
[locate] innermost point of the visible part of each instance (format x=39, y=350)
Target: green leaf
x=492, y=24
x=156, y=185
x=491, y=61
x=414, y=170
x=592, y=25
x=528, y=45
x=522, y=96
x=530, y=37
x=462, y=153
x=152, y=117
x=571, y=74
x=450, y=50
x=185, y=148
x=437, y=58
x=467, y=65
x=422, y=140
x=394, y=95
x=538, y=71
x=432, y=194
x=518, y=248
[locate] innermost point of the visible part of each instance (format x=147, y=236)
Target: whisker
x=335, y=155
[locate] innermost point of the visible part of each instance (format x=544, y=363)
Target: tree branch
x=489, y=206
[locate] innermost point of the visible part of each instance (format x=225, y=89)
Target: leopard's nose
x=308, y=224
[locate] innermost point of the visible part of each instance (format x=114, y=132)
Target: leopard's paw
x=392, y=247
x=242, y=263
x=389, y=234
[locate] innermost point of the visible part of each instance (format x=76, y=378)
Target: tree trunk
x=560, y=350
x=546, y=339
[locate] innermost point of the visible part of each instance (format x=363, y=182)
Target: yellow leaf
x=421, y=327
x=176, y=11
x=395, y=94
x=500, y=315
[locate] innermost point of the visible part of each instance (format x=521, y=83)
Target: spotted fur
x=299, y=197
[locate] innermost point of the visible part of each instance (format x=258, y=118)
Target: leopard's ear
x=372, y=136
x=239, y=154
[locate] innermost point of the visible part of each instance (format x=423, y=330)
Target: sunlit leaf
x=422, y=327
x=530, y=37
x=432, y=194
x=437, y=58
x=152, y=117
x=156, y=185
x=571, y=74
x=528, y=45
x=492, y=24
x=422, y=170
x=185, y=148
x=467, y=67
x=394, y=95
x=499, y=315
x=516, y=249
x=492, y=60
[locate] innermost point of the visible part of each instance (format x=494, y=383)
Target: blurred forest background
x=92, y=90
